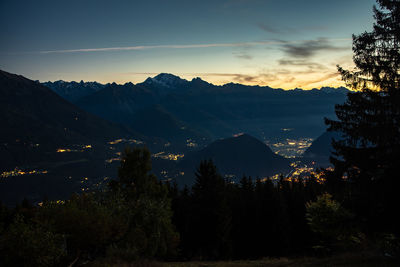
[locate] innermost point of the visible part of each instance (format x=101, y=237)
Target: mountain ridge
x=169, y=80
x=235, y=156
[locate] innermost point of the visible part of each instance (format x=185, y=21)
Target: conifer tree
x=370, y=118
x=369, y=153
x=211, y=214
x=146, y=204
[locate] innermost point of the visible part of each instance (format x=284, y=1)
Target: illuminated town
x=79, y=148
x=290, y=148
x=168, y=156
x=19, y=172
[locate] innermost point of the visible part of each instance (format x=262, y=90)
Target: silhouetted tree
x=331, y=222
x=145, y=200
x=134, y=177
x=88, y=225
x=211, y=218
x=368, y=155
x=28, y=243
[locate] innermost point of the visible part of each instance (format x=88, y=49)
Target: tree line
x=138, y=217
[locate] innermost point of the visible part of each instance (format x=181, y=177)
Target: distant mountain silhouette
x=118, y=102
x=217, y=111
x=136, y=107
x=33, y=115
x=240, y=155
x=157, y=122
x=73, y=91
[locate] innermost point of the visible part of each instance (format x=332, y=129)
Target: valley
x=79, y=142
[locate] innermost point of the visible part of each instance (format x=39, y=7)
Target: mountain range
x=63, y=137
x=72, y=91
x=206, y=111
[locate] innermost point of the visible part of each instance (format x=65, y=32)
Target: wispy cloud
x=269, y=28
x=294, y=48
x=324, y=78
x=242, y=55
x=242, y=78
x=271, y=77
x=147, y=47
x=301, y=63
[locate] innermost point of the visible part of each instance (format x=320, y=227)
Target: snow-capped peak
x=166, y=80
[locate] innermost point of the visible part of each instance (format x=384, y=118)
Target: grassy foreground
x=339, y=260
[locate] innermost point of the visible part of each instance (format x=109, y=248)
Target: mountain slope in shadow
x=237, y=156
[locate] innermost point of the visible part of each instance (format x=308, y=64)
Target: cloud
x=309, y=48
x=147, y=47
x=242, y=55
x=324, y=78
x=288, y=30
x=293, y=48
x=284, y=76
x=243, y=78
x=260, y=78
x=274, y=30
x=301, y=63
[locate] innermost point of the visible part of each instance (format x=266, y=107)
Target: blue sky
x=283, y=43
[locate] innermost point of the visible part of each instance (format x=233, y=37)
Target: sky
x=280, y=43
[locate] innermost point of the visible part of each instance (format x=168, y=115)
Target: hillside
x=237, y=156
x=48, y=145
x=32, y=113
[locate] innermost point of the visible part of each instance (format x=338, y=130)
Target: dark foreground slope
x=52, y=143
x=33, y=113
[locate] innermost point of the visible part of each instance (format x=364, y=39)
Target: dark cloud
x=274, y=30
x=237, y=77
x=243, y=55
x=301, y=63
x=241, y=78
x=259, y=78
x=309, y=48
x=267, y=27
x=245, y=78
